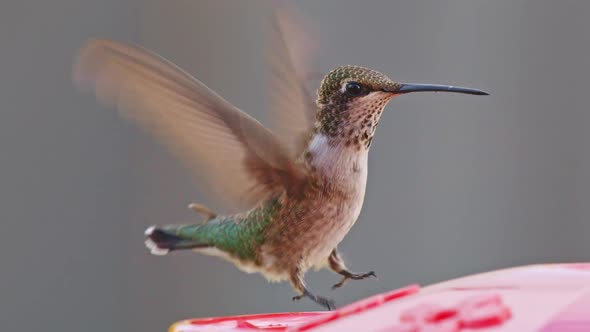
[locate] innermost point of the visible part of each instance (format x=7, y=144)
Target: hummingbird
x=301, y=187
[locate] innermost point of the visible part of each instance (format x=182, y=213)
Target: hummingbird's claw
x=298, y=297
x=341, y=283
x=324, y=302
x=354, y=276
x=327, y=303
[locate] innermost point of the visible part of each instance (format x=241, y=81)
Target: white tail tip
x=149, y=230
x=151, y=245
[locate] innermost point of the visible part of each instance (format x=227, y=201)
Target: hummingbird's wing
x=291, y=56
x=241, y=159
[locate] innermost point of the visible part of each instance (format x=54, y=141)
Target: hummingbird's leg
x=202, y=209
x=299, y=285
x=337, y=265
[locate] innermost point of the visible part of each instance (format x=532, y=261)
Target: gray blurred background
x=457, y=184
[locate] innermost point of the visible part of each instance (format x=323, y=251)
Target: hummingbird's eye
x=354, y=89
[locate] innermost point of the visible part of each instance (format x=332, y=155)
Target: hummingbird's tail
x=239, y=235
x=161, y=241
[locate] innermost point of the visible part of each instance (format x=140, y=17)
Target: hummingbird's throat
x=352, y=123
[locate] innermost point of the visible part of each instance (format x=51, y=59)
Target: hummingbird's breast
x=311, y=226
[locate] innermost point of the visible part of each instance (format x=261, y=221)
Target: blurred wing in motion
x=291, y=51
x=241, y=159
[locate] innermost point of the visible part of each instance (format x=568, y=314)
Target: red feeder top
x=544, y=298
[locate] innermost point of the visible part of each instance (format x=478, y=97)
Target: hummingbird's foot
x=337, y=265
x=324, y=302
x=354, y=276
x=202, y=209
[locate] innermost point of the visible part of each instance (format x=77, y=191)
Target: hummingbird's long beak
x=410, y=87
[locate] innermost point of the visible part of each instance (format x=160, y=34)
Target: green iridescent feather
x=239, y=235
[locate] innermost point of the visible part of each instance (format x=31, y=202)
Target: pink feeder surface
x=543, y=298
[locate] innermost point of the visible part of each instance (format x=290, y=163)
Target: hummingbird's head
x=349, y=83
x=352, y=98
